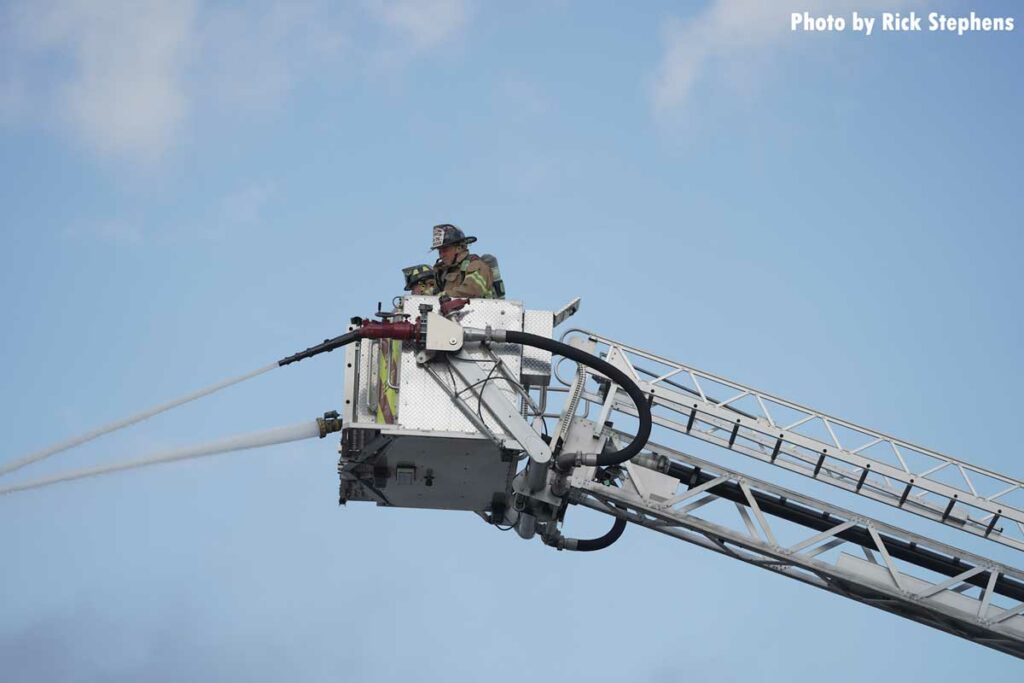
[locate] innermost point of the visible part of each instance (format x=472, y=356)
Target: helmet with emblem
x=447, y=234
x=417, y=274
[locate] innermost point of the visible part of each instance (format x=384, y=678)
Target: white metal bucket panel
x=422, y=403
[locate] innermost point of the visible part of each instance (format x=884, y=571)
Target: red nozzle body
x=389, y=330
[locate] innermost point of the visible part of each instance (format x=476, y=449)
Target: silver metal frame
x=972, y=604
x=855, y=466
x=817, y=559
x=892, y=569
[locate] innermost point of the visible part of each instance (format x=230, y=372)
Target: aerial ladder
x=482, y=418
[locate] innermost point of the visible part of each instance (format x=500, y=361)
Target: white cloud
x=422, y=23
x=253, y=55
x=731, y=35
x=112, y=72
x=125, y=77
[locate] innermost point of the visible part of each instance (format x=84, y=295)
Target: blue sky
x=194, y=189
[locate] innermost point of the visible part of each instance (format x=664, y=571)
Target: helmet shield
x=446, y=234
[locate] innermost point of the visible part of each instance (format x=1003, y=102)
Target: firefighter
x=420, y=279
x=459, y=273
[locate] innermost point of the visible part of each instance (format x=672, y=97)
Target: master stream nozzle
x=367, y=329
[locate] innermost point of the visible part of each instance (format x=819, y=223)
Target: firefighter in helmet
x=458, y=272
x=420, y=279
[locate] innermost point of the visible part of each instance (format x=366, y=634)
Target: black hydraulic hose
x=643, y=408
x=859, y=535
x=602, y=542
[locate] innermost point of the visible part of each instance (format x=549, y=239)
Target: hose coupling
x=652, y=461
x=329, y=423
x=567, y=461
x=554, y=540
x=488, y=334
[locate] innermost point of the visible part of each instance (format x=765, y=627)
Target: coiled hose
x=643, y=408
x=607, y=458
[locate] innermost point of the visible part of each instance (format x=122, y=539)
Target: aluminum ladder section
x=806, y=441
x=844, y=553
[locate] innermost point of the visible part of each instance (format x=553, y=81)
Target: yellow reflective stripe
x=479, y=280
x=387, y=375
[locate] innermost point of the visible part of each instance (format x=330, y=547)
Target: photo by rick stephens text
x=896, y=22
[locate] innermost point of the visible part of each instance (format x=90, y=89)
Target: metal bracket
x=443, y=334
x=566, y=311
x=498, y=405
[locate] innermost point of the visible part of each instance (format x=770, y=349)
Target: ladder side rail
x=719, y=541
x=861, y=473
x=891, y=585
x=717, y=432
x=817, y=414
x=823, y=508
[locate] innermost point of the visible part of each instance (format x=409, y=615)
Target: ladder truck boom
x=475, y=387
x=458, y=404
